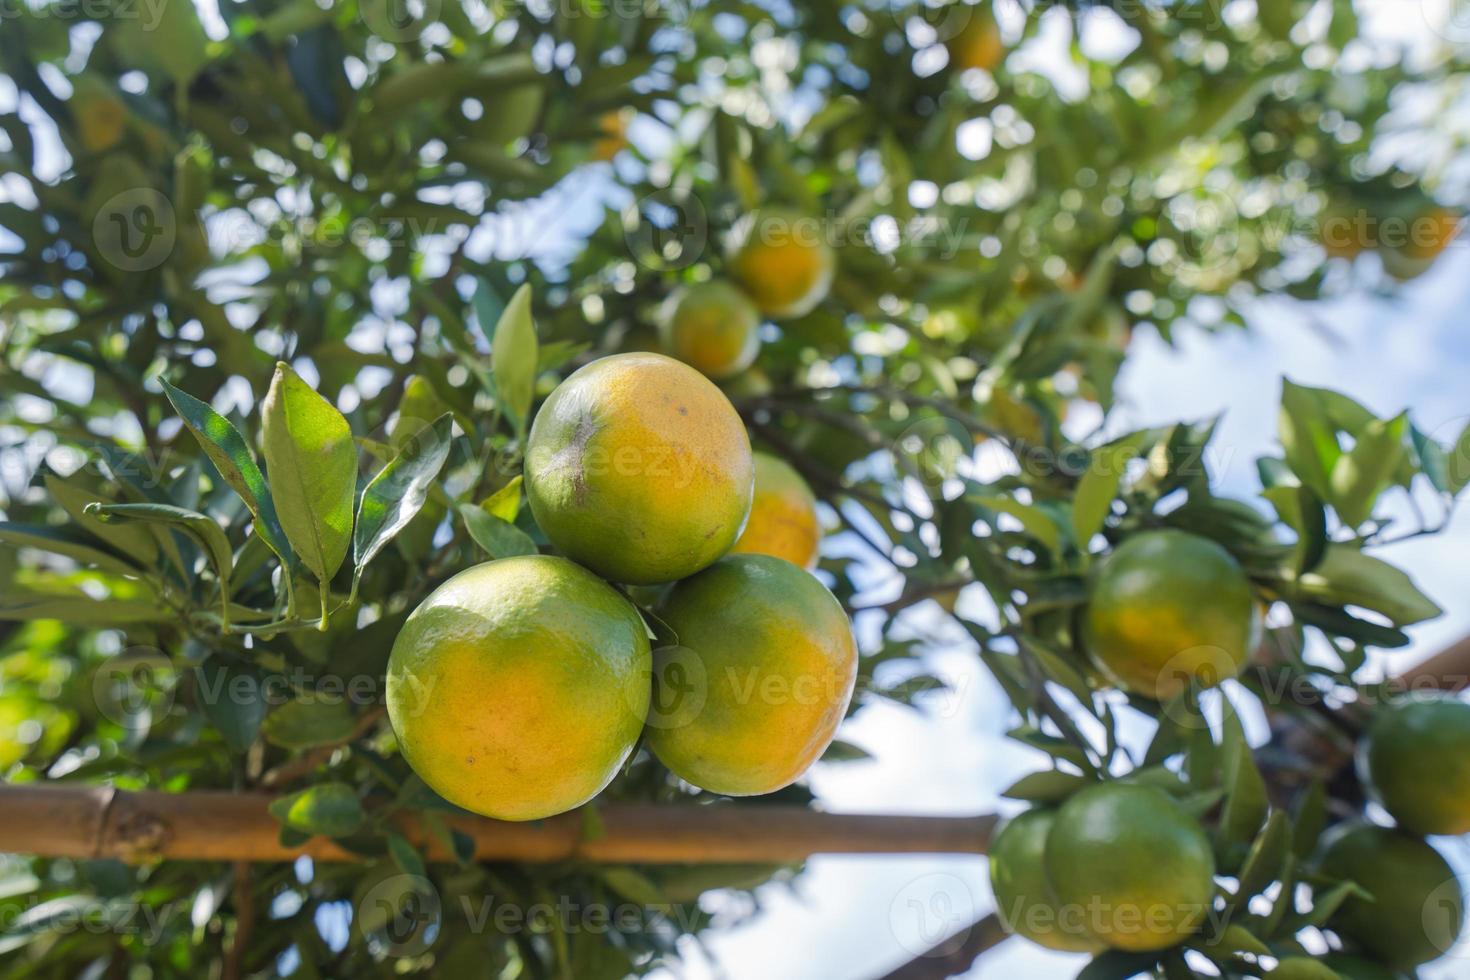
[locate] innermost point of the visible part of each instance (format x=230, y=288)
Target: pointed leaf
x=69, y=542
x=399, y=490
x=1361, y=475
x=1098, y=487
x=500, y=539
x=136, y=542
x=1348, y=577
x=513, y=357
x=232, y=459
x=312, y=463
x=329, y=809
x=1308, y=437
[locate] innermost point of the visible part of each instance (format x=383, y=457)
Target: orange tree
x=944, y=252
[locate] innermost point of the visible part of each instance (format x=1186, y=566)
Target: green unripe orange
x=1417, y=909
x=1133, y=864
x=1415, y=761
x=1168, y=608
x=1024, y=897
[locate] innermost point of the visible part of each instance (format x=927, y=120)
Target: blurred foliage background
x=358, y=188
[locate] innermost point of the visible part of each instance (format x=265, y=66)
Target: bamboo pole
x=92, y=822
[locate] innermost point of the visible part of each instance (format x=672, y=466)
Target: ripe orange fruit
x=713, y=327
x=1417, y=909
x=1167, y=608
x=614, y=127
x=783, y=516
x=1024, y=897
x=1345, y=232
x=762, y=675
x=638, y=467
x=783, y=261
x=976, y=44
x=518, y=688
x=1415, y=761
x=1425, y=239
x=1136, y=867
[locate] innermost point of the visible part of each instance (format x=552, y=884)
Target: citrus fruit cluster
x=1124, y=865
x=1117, y=865
x=520, y=687
x=781, y=266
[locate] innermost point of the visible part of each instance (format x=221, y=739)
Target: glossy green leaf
x=203, y=529
x=513, y=357
x=399, y=490
x=329, y=809
x=499, y=538
x=312, y=464
x=234, y=462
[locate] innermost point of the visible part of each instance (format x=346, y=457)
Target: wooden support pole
x=90, y=822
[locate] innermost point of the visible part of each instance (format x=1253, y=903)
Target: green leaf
x=1034, y=520
x=399, y=490
x=1047, y=786
x=81, y=610
x=1236, y=939
x=1300, y=509
x=1308, y=438
x=69, y=542
x=505, y=503
x=134, y=541
x=513, y=357
x=840, y=751
x=1348, y=577
x=1098, y=487
x=304, y=724
x=232, y=459
x=1459, y=463
x=1311, y=819
x=406, y=856
x=488, y=307
x=329, y=809
x=1118, y=965
x=201, y=528
x=635, y=886
x=1267, y=857
x=231, y=696
x=1359, y=476
x=313, y=470
x=500, y=539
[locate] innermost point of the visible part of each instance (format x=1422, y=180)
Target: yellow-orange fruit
x=638, y=467
x=783, y=516
x=783, y=261
x=713, y=327
x=762, y=675
x=518, y=688
x=976, y=44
